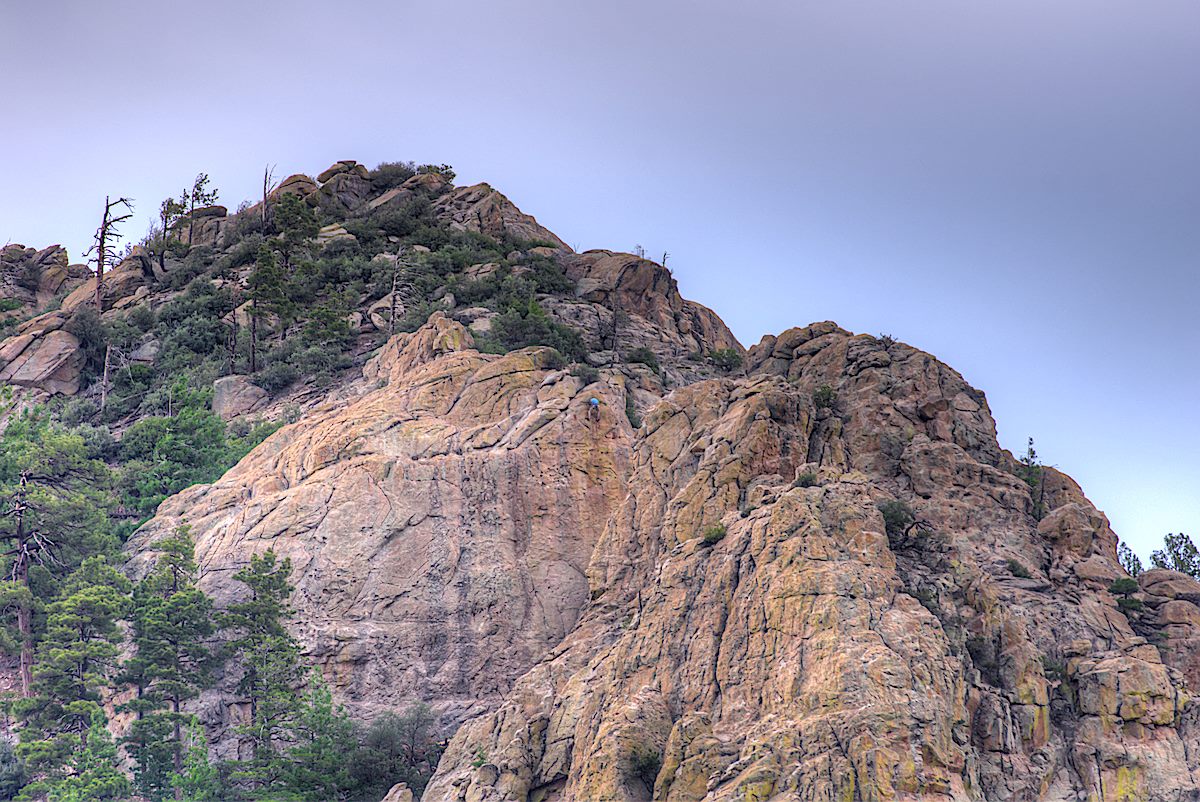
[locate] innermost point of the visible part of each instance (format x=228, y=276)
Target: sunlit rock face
x=756, y=629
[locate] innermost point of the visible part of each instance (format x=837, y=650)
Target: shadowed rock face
x=809, y=655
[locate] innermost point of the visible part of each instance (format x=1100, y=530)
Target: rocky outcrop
x=30, y=279
x=48, y=360
x=758, y=630
x=234, y=396
x=439, y=525
x=483, y=209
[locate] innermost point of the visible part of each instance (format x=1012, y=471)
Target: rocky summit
x=620, y=557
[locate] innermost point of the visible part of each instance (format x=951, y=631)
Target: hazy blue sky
x=1013, y=186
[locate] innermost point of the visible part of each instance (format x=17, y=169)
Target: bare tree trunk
x=177, y=747
x=24, y=616
x=253, y=335
x=104, y=381
x=100, y=253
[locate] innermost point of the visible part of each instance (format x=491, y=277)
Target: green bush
x=808, y=479
x=585, y=373
x=1129, y=605
x=713, y=534
x=520, y=328
x=387, y=175
x=897, y=518
x=726, y=359
x=824, y=397
x=1018, y=570
x=642, y=355
x=1123, y=587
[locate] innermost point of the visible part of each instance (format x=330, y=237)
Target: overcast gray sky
x=1013, y=186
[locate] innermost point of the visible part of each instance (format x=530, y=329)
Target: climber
x=594, y=408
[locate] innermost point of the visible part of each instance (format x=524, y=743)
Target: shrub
x=713, y=534
x=645, y=763
x=86, y=325
x=141, y=318
x=886, y=340
x=807, y=479
x=519, y=328
x=727, y=359
x=391, y=174
x=1123, y=587
x=1018, y=570
x=444, y=170
x=644, y=356
x=897, y=519
x=585, y=373
x=824, y=397
x=1129, y=605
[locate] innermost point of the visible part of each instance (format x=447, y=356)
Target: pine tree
x=172, y=621
x=1178, y=553
x=270, y=662
x=52, y=505
x=268, y=294
x=199, y=780
x=297, y=224
x=323, y=740
x=77, y=661
x=198, y=196
x=95, y=773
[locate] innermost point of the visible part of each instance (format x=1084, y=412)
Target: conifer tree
x=172, y=622
x=270, y=672
x=297, y=224
x=198, y=196
x=95, y=773
x=199, y=781
x=52, y=505
x=77, y=661
x=323, y=740
x=268, y=294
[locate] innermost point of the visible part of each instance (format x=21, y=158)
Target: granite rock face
x=756, y=629
x=439, y=525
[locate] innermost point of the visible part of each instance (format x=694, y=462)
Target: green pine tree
x=199, y=780
x=52, y=514
x=323, y=742
x=95, y=773
x=77, y=661
x=297, y=224
x=270, y=662
x=172, y=621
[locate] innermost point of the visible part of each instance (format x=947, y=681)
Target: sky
x=1013, y=186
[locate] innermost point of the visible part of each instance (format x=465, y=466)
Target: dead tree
x=27, y=546
x=268, y=186
x=106, y=235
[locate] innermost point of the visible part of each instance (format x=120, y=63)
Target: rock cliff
x=815, y=577
x=758, y=631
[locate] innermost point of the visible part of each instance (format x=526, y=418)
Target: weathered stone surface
x=399, y=793
x=439, y=525
x=51, y=362
x=807, y=654
x=483, y=209
x=236, y=395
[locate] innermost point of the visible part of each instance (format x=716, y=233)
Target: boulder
x=51, y=362
x=236, y=395
x=399, y=793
